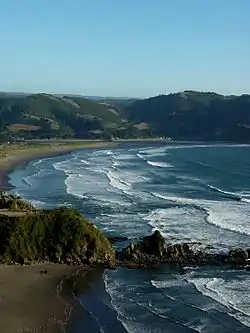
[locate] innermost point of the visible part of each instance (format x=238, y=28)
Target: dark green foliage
x=194, y=115
x=59, y=235
x=55, y=116
x=188, y=115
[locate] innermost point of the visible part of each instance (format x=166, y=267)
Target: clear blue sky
x=125, y=47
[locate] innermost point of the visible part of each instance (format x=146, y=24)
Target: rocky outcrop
x=117, y=239
x=153, y=250
x=14, y=203
x=239, y=256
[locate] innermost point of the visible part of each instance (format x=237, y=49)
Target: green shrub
x=59, y=235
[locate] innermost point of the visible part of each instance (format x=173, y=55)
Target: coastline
x=16, y=156
x=38, y=298
x=26, y=291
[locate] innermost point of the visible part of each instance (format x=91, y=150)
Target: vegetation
x=192, y=115
x=188, y=115
x=60, y=235
x=48, y=116
x=14, y=203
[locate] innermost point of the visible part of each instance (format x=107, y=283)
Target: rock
x=117, y=239
x=43, y=271
x=154, y=244
x=238, y=256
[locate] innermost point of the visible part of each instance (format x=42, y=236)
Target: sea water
x=196, y=193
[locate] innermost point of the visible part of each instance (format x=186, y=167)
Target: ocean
x=196, y=193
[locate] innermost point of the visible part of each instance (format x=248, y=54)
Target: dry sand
x=34, y=301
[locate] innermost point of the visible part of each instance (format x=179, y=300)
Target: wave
x=154, y=152
x=85, y=162
x=35, y=164
x=227, y=294
x=212, y=145
x=102, y=152
x=125, y=306
x=160, y=164
x=232, y=195
x=167, y=283
x=222, y=214
x=26, y=180
x=142, y=157
x=37, y=203
x=116, y=182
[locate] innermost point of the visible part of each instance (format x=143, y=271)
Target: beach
x=37, y=298
x=12, y=156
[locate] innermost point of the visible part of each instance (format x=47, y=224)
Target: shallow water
x=190, y=193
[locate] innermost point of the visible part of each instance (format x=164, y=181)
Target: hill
x=58, y=235
x=46, y=116
x=188, y=115
x=192, y=115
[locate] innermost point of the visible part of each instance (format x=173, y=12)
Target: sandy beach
x=36, y=298
x=14, y=155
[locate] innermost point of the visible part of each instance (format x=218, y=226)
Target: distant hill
x=192, y=115
x=46, y=116
x=188, y=115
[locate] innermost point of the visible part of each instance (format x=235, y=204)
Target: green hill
x=59, y=235
x=188, y=115
x=44, y=115
x=192, y=115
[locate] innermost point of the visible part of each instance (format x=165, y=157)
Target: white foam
x=180, y=224
x=154, y=152
x=190, y=146
x=236, y=195
x=117, y=182
x=125, y=157
x=231, y=294
x=102, y=152
x=26, y=180
x=229, y=216
x=167, y=283
x=39, y=162
x=245, y=200
x=232, y=216
x=141, y=156
x=85, y=162
x=160, y=164
x=37, y=203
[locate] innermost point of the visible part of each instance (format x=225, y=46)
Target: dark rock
x=152, y=250
x=117, y=239
x=43, y=271
x=153, y=244
x=238, y=256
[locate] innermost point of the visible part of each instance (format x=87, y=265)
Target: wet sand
x=13, y=156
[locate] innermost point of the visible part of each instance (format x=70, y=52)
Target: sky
x=132, y=48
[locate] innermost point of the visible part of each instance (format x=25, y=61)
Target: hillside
x=59, y=235
x=46, y=116
x=188, y=115
x=194, y=115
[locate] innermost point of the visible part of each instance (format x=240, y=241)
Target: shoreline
x=26, y=291
x=24, y=313
x=17, y=156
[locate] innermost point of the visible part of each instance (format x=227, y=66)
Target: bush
x=58, y=235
